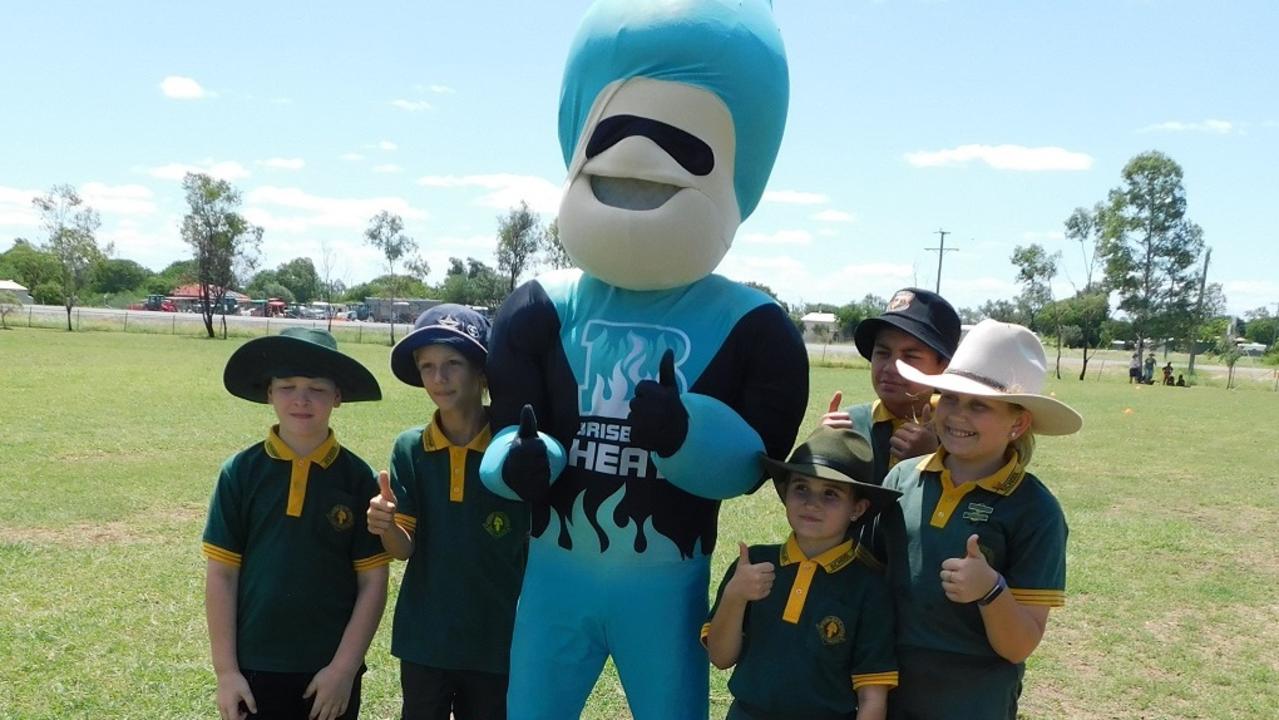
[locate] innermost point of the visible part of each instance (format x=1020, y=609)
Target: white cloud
x=182, y=88
x=781, y=237
x=119, y=199
x=506, y=190
x=143, y=245
x=794, y=280
x=1244, y=295
x=281, y=101
x=834, y=216
x=441, y=89
x=352, y=156
x=293, y=210
x=1004, y=157
x=1217, y=127
x=225, y=170
x=795, y=197
x=16, y=208
x=411, y=105
x=386, y=145
x=279, y=163
x=387, y=168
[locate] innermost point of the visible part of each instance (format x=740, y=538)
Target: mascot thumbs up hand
x=671, y=115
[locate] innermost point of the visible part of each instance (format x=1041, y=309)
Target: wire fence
x=54, y=317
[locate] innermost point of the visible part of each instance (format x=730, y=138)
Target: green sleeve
x=225, y=526
x=1036, y=572
x=365, y=544
x=874, y=655
x=403, y=485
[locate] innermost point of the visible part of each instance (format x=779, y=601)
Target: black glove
x=658, y=419
x=527, y=469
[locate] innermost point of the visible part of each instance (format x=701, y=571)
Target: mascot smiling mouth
x=631, y=193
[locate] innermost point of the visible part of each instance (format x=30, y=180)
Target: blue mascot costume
x=651, y=385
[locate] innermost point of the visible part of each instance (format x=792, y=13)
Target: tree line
x=72, y=268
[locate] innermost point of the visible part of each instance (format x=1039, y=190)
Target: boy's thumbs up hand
x=968, y=578
x=527, y=469
x=381, y=512
x=833, y=417
x=659, y=421
x=915, y=437
x=750, y=581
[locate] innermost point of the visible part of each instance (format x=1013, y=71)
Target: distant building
x=819, y=326
x=24, y=296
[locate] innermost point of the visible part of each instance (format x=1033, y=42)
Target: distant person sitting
x=1168, y=374
x=1181, y=380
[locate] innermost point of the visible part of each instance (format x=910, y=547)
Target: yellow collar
x=324, y=455
x=435, y=439
x=1003, y=482
x=879, y=412
x=832, y=561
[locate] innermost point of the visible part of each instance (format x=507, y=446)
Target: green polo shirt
x=456, y=608
x=296, y=529
x=1021, y=530
x=824, y=631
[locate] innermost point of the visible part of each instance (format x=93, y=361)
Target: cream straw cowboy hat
x=1004, y=362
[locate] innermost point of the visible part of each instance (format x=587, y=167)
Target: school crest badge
x=497, y=524
x=341, y=517
x=900, y=301
x=831, y=629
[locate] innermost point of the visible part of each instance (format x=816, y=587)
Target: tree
x=1261, y=326
x=386, y=233
x=472, y=283
x=1036, y=269
x=1149, y=247
x=1086, y=228
x=850, y=315
x=9, y=302
x=224, y=245
x=517, y=242
x=1003, y=311
x=178, y=272
x=29, y=265
x=117, y=275
x=71, y=226
x=330, y=285
x=299, y=276
x=553, y=252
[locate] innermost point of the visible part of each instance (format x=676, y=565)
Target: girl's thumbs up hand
x=968, y=578
x=750, y=581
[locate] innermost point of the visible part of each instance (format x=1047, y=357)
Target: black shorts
x=1134, y=372
x=279, y=695
x=432, y=694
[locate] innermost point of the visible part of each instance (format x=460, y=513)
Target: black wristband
x=988, y=598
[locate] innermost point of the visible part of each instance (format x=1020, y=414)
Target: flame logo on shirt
x=341, y=517
x=618, y=357
x=832, y=630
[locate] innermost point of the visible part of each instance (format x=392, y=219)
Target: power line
x=941, y=251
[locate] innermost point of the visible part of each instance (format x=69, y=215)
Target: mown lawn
x=109, y=443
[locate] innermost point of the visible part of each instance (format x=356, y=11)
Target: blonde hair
x=1024, y=446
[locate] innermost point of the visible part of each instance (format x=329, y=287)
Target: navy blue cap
x=457, y=326
x=920, y=313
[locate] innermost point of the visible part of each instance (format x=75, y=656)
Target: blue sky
x=991, y=120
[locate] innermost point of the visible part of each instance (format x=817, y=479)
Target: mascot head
x=671, y=114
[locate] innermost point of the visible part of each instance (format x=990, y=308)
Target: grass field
x=109, y=443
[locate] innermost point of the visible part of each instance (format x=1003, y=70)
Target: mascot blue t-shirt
x=653, y=385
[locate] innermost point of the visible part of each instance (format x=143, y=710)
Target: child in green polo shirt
x=295, y=586
x=976, y=545
x=819, y=645
x=921, y=329
x=466, y=547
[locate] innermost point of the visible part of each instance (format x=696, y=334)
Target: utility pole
x=941, y=251
x=1199, y=310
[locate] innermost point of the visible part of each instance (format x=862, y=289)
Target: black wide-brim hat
x=457, y=326
x=916, y=312
x=840, y=455
x=297, y=351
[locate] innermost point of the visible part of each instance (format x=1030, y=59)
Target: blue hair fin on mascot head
x=652, y=384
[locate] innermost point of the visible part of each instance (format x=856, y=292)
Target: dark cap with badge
x=838, y=455
x=296, y=352
x=916, y=312
x=457, y=326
